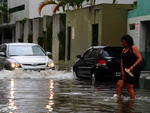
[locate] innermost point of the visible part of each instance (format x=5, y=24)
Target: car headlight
x=14, y=65
x=51, y=64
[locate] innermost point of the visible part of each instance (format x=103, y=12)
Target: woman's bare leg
x=120, y=84
x=130, y=88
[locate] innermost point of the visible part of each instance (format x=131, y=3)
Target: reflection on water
x=125, y=106
x=11, y=104
x=61, y=92
x=51, y=96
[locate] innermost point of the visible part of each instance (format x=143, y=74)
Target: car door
x=87, y=64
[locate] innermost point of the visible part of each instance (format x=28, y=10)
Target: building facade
x=53, y=32
x=20, y=9
x=19, y=12
x=101, y=25
x=28, y=9
x=139, y=28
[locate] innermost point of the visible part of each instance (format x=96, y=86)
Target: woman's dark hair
x=128, y=39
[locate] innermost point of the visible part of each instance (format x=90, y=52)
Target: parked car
x=99, y=62
x=28, y=56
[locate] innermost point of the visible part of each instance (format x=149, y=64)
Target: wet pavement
x=61, y=92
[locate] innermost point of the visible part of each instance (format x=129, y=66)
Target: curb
x=145, y=74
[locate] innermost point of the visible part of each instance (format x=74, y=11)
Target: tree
x=114, y=1
x=3, y=14
x=76, y=3
x=92, y=2
x=3, y=10
x=43, y=4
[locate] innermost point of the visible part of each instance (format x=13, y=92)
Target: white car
x=28, y=56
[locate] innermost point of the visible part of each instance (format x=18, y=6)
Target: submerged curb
x=145, y=75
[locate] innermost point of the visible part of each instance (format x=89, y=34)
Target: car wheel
x=6, y=67
x=76, y=72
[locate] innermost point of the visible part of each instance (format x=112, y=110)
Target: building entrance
x=7, y=34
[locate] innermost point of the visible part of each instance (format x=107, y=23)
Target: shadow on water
x=125, y=106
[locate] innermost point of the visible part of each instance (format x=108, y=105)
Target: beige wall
x=112, y=21
x=81, y=31
x=114, y=25
x=55, y=41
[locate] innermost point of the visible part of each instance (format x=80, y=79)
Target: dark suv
x=99, y=62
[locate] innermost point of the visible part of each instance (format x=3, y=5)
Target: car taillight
x=102, y=62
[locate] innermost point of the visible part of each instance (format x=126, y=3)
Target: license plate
x=117, y=74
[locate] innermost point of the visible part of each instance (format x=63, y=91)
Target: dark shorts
x=131, y=80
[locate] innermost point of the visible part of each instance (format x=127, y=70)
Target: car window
x=87, y=53
x=37, y=51
x=94, y=53
x=113, y=51
x=25, y=50
x=104, y=53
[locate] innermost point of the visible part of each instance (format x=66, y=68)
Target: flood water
x=61, y=92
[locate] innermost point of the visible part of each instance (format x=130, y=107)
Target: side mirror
x=48, y=53
x=79, y=56
x=2, y=54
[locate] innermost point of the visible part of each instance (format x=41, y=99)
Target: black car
x=99, y=62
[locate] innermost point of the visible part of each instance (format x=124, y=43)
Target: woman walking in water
x=130, y=73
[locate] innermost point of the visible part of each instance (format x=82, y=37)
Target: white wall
x=14, y=3
x=31, y=8
x=47, y=10
x=20, y=14
x=138, y=33
x=117, y=1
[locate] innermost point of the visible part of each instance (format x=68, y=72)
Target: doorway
x=69, y=43
x=95, y=34
x=7, y=34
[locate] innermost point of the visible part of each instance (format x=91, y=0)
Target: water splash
x=48, y=74
x=124, y=98
x=142, y=98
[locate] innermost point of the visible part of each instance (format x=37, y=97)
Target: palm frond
x=4, y=9
x=43, y=4
x=58, y=6
x=114, y=1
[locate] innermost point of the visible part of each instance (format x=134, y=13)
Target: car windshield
x=25, y=50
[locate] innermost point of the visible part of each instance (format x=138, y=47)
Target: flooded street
x=61, y=92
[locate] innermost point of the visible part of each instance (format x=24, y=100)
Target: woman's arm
x=139, y=57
